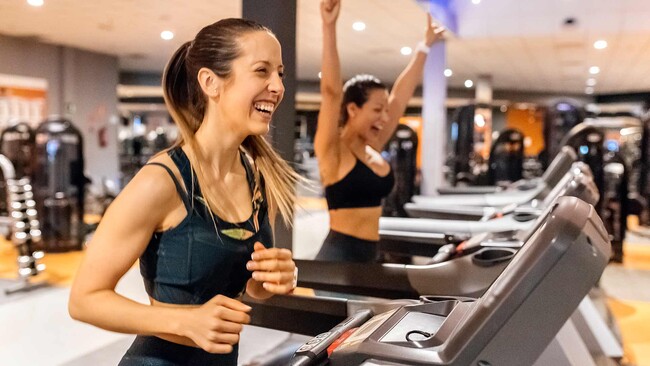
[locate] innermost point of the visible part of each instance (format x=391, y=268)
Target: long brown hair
x=215, y=47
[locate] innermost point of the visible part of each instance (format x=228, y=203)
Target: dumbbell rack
x=26, y=234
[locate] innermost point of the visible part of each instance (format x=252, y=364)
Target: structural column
x=484, y=89
x=280, y=17
x=434, y=118
x=484, y=108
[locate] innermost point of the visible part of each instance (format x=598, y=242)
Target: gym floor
x=36, y=328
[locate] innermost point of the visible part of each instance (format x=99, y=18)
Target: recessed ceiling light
x=479, y=120
x=594, y=70
x=469, y=83
x=166, y=35
x=406, y=51
x=503, y=108
x=476, y=2
x=589, y=90
x=591, y=82
x=600, y=44
x=448, y=72
x=35, y=2
x=320, y=74
x=358, y=26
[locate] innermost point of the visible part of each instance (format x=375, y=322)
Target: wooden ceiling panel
x=523, y=44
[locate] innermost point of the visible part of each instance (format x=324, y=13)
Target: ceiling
x=523, y=45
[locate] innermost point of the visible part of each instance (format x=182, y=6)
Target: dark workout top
x=191, y=263
x=361, y=187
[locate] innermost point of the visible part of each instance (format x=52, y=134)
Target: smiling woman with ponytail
x=199, y=216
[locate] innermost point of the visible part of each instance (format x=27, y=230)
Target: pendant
x=237, y=233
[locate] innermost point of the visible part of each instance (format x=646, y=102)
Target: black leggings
x=339, y=247
x=154, y=351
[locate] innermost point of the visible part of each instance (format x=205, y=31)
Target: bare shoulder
x=145, y=205
x=156, y=179
x=152, y=187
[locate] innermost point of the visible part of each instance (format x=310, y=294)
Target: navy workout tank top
x=191, y=263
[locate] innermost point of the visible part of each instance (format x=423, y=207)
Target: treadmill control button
x=306, y=348
x=313, y=342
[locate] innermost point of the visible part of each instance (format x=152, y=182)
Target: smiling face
x=369, y=119
x=254, y=89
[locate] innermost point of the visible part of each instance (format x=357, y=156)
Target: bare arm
x=406, y=83
x=326, y=141
x=121, y=237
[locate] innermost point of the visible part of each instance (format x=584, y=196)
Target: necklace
x=237, y=232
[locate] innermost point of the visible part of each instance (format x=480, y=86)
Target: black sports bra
x=361, y=187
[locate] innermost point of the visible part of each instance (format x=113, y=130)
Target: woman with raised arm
x=354, y=124
x=199, y=215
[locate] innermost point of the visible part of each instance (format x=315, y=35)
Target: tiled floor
x=628, y=288
x=36, y=330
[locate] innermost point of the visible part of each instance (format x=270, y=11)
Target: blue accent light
x=52, y=148
x=611, y=145
x=584, y=149
x=442, y=11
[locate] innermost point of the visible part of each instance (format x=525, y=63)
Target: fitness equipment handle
x=314, y=351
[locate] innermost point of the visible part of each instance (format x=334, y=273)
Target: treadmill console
x=511, y=323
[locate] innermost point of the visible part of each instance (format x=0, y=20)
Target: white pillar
x=434, y=118
x=483, y=99
x=484, y=89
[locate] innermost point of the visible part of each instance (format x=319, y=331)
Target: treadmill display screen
x=367, y=329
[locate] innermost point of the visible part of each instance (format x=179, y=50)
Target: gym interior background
x=500, y=97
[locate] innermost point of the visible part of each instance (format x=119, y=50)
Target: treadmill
x=460, y=272
x=423, y=234
x=519, y=192
x=467, y=212
x=565, y=157
x=483, y=213
x=509, y=325
x=464, y=268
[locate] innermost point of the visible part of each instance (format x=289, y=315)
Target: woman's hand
x=433, y=32
x=329, y=11
x=274, y=268
x=215, y=325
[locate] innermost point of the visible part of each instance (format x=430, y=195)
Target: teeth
x=267, y=107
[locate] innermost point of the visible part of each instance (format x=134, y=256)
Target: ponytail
x=177, y=91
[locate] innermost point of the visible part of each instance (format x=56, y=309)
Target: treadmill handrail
x=433, y=238
x=561, y=163
x=469, y=190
